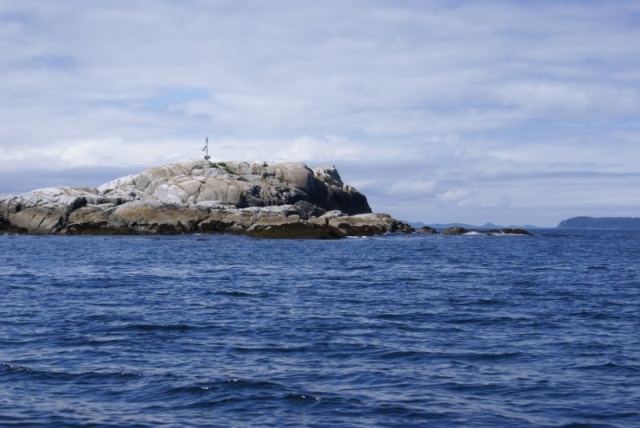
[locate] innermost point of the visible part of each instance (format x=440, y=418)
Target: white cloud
x=426, y=102
x=454, y=195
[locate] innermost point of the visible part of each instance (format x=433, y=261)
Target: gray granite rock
x=258, y=199
x=241, y=184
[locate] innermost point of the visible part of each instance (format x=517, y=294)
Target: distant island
x=584, y=222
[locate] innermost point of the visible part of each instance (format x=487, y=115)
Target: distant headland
x=600, y=223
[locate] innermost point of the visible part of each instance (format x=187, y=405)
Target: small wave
x=193, y=389
x=360, y=267
x=250, y=395
x=97, y=341
x=486, y=356
x=591, y=315
x=409, y=316
x=236, y=293
x=404, y=355
x=609, y=365
x=220, y=385
x=301, y=397
x=13, y=368
x=271, y=349
x=87, y=375
x=476, y=388
x=157, y=327
x=488, y=302
x=485, y=321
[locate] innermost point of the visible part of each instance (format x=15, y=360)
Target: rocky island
x=583, y=222
x=275, y=200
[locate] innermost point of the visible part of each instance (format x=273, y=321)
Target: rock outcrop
x=257, y=199
x=457, y=230
x=427, y=230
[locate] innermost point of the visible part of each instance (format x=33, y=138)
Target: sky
x=510, y=112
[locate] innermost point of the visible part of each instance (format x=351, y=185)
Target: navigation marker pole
x=206, y=149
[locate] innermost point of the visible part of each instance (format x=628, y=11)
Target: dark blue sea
x=391, y=331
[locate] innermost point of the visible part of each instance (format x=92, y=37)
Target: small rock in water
x=427, y=230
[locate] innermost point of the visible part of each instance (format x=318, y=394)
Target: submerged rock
x=257, y=199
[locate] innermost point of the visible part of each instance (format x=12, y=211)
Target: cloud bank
x=509, y=112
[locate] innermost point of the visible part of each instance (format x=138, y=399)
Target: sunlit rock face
x=240, y=185
x=200, y=196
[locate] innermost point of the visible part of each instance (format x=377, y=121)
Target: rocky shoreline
x=278, y=200
x=287, y=200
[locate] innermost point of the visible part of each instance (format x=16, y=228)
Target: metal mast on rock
x=206, y=149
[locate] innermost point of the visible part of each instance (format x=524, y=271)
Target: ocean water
x=391, y=331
